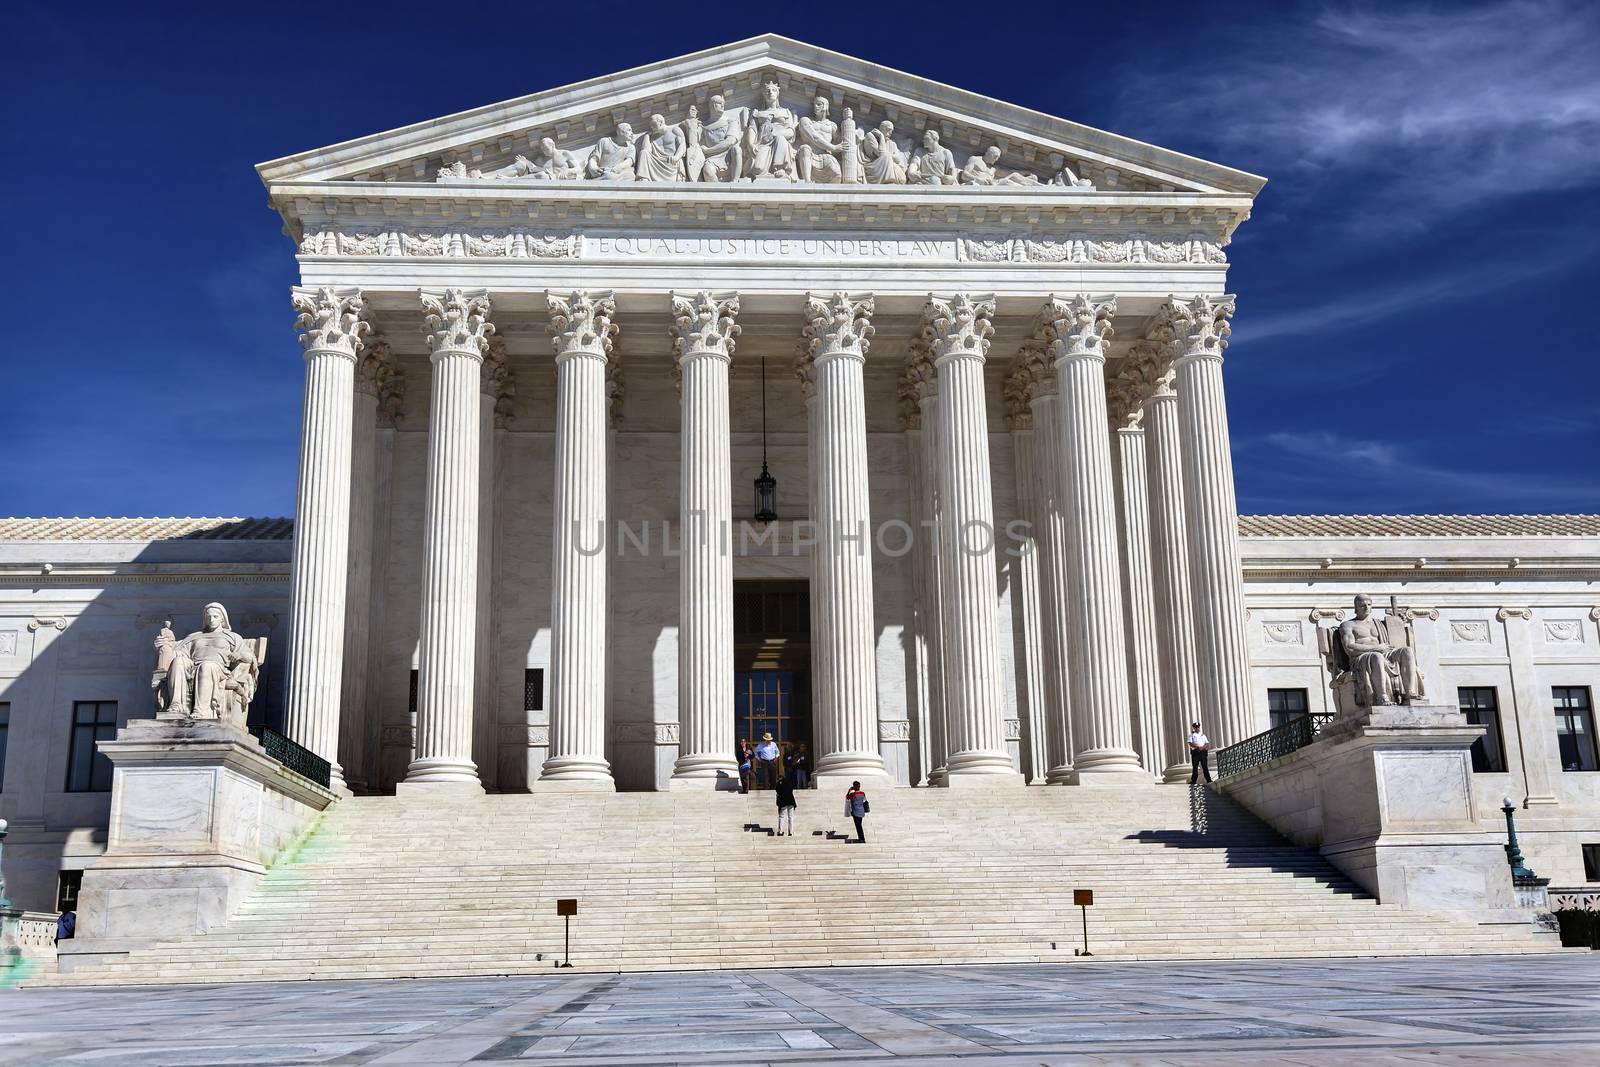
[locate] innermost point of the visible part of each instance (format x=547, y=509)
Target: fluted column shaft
x=578, y=610
x=319, y=574
x=1144, y=659
x=1097, y=650
x=1169, y=550
x=1212, y=516
x=704, y=342
x=358, y=590
x=958, y=331
x=457, y=332
x=931, y=547
x=1054, y=597
x=837, y=332
x=484, y=681
x=1036, y=757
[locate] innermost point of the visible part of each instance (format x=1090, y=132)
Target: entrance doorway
x=772, y=663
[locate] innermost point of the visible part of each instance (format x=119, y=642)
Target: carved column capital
x=496, y=383
x=456, y=321
x=805, y=369
x=1125, y=402
x=1030, y=377
x=838, y=325
x=330, y=319
x=703, y=325
x=1196, y=328
x=1076, y=328
x=918, y=382
x=958, y=328
x=392, y=397
x=1514, y=613
x=581, y=324
x=374, y=367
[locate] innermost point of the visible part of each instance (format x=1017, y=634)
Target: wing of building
x=770, y=391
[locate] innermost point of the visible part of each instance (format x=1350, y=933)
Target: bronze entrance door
x=772, y=663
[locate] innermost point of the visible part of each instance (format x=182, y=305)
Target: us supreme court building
x=768, y=390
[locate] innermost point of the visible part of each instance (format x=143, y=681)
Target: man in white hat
x=767, y=761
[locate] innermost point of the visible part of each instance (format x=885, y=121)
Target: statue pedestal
x=1386, y=795
x=198, y=813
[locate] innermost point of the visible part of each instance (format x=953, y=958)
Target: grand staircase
x=419, y=886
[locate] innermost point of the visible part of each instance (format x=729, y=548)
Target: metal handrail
x=294, y=757
x=1269, y=745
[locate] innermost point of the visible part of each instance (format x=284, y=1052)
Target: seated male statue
x=1383, y=666
x=211, y=674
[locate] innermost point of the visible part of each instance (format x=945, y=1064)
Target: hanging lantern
x=766, y=484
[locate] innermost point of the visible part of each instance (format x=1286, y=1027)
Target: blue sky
x=1417, y=289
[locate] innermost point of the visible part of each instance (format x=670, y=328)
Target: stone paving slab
x=1316, y=1013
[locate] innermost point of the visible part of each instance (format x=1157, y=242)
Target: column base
x=1109, y=760
x=1178, y=772
x=849, y=765
x=839, y=781
x=1064, y=775
x=437, y=773
x=576, y=769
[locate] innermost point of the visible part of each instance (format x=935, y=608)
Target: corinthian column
x=703, y=339
x=582, y=328
x=1198, y=331
x=1025, y=570
x=1051, y=537
x=1138, y=599
x=920, y=386
x=457, y=328
x=1169, y=559
x=1077, y=331
x=496, y=387
x=332, y=325
x=837, y=334
x=957, y=332
x=373, y=370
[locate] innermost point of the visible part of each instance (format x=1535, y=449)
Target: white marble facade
x=524, y=316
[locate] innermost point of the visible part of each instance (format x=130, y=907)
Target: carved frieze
x=1563, y=631
x=1469, y=632
x=519, y=243
x=760, y=138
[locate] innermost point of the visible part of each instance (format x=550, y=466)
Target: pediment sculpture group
x=762, y=143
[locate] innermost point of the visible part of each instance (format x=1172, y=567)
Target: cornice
x=691, y=206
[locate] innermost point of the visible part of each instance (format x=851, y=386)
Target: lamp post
x=1519, y=871
x=766, y=484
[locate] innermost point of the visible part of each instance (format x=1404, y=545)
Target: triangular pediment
x=599, y=132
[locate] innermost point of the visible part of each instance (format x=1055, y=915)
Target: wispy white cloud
x=1439, y=108
x=1350, y=473
x=1362, y=307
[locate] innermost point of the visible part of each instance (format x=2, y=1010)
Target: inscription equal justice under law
x=770, y=247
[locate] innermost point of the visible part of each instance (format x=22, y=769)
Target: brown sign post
x=1083, y=898
x=567, y=907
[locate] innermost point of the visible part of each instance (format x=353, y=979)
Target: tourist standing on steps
x=767, y=760
x=1199, y=754
x=800, y=765
x=786, y=806
x=856, y=807
x=747, y=764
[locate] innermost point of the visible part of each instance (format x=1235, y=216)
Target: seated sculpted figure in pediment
x=210, y=674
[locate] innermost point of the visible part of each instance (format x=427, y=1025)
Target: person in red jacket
x=856, y=807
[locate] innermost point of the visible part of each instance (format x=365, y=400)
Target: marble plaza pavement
x=1433, y=1010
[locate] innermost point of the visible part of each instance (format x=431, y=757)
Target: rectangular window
x=1591, y=863
x=533, y=689
x=413, y=697
x=1575, y=728
x=89, y=771
x=67, y=890
x=1285, y=704
x=1481, y=706
x=5, y=729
